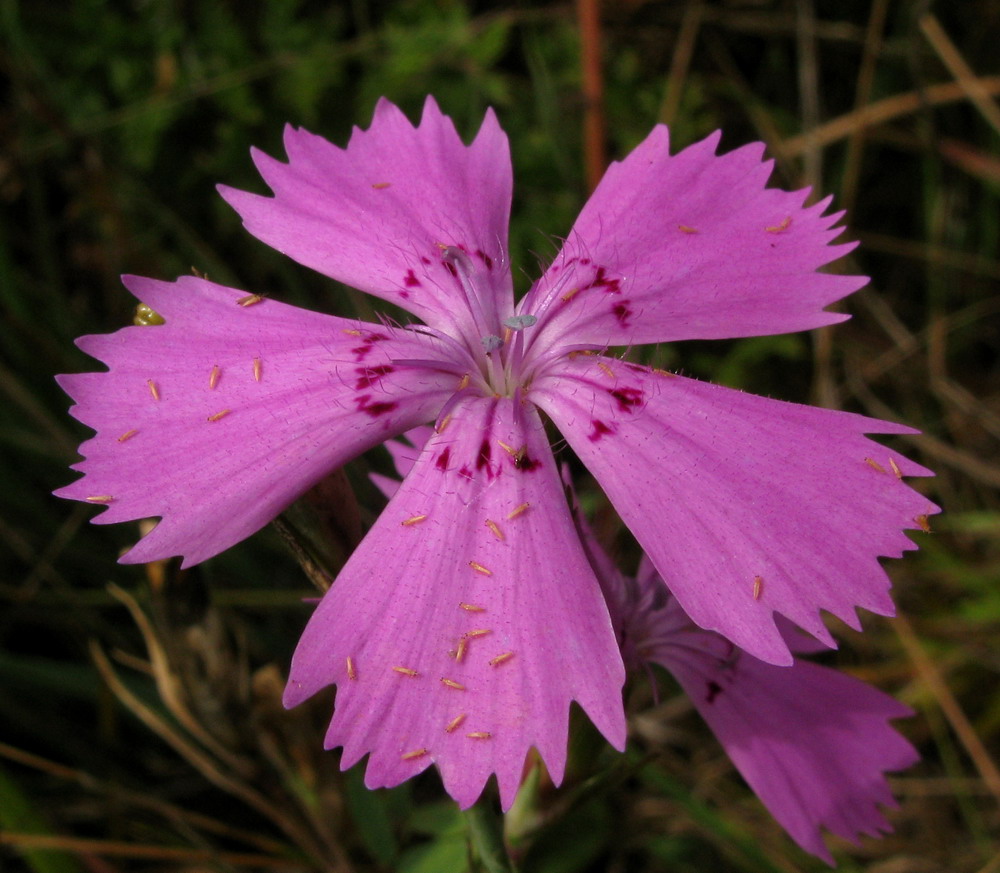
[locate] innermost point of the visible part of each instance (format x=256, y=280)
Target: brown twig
x=680, y=62
x=594, y=148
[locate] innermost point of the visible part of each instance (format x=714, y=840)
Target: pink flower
x=812, y=743
x=469, y=617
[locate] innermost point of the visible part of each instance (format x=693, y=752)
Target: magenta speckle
x=367, y=375
x=485, y=258
x=714, y=689
x=628, y=398
x=622, y=312
x=600, y=430
x=483, y=458
x=374, y=409
x=410, y=280
x=466, y=472
x=442, y=460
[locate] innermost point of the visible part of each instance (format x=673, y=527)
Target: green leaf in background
x=18, y=815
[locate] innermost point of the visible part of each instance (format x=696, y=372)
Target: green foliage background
x=117, y=120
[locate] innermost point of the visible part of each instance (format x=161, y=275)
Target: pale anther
x=128, y=435
x=501, y=659
x=520, y=510
x=413, y=519
x=479, y=568
x=454, y=723
x=468, y=607
x=416, y=753
x=258, y=368
x=875, y=465
x=352, y=672
x=451, y=683
x=479, y=735
x=406, y=671
x=250, y=300
x=895, y=468
x=495, y=528
x=100, y=498
x=479, y=632
x=213, y=377
x=153, y=389
x=758, y=587
x=217, y=415
x=444, y=423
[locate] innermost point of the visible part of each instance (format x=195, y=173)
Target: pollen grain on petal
x=381, y=186
x=785, y=223
x=412, y=756
x=153, y=389
x=463, y=647
x=569, y=295
x=510, y=450
x=520, y=510
x=213, y=377
x=128, y=435
x=502, y=658
x=406, y=671
x=478, y=632
x=607, y=369
x=923, y=523
x=479, y=568
x=451, y=683
x=215, y=416
x=250, y=300
x=686, y=228
x=479, y=735
x=412, y=520
x=758, y=587
x=495, y=529
x=470, y=607
x=875, y=465
x=352, y=670
x=454, y=723
x=464, y=383
x=444, y=423
x=351, y=332
x=895, y=468
x=100, y=498
x=258, y=369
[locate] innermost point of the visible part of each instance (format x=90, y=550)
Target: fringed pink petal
x=690, y=246
x=747, y=506
x=392, y=211
x=218, y=419
x=812, y=743
x=468, y=619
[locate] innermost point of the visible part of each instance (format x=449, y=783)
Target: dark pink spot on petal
x=410, y=280
x=585, y=261
x=525, y=463
x=622, y=312
x=376, y=409
x=424, y=259
x=367, y=375
x=485, y=258
x=451, y=268
x=442, y=460
x=714, y=689
x=600, y=430
x=627, y=398
x=465, y=471
x=483, y=458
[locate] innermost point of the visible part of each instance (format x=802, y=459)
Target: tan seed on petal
x=520, y=510
x=444, y=423
x=786, y=222
x=684, y=228
x=924, y=524
x=153, y=389
x=258, y=369
x=381, y=185
x=463, y=645
x=758, y=587
x=406, y=671
x=479, y=735
x=501, y=659
x=451, y=683
x=464, y=383
x=352, y=672
x=895, y=468
x=217, y=415
x=100, y=498
x=213, y=377
x=479, y=568
x=875, y=465
x=412, y=520
x=351, y=332
x=607, y=369
x=495, y=528
x=250, y=300
x=416, y=753
x=468, y=607
x=569, y=295
x=128, y=435
x=510, y=450
x=454, y=723
x=479, y=632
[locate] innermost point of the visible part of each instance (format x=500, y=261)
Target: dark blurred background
x=140, y=724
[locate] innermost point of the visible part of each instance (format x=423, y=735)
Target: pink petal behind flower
x=218, y=419
x=722, y=488
x=691, y=246
x=472, y=579
x=812, y=743
x=379, y=214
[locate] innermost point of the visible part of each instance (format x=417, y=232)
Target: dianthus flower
x=469, y=617
x=813, y=743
